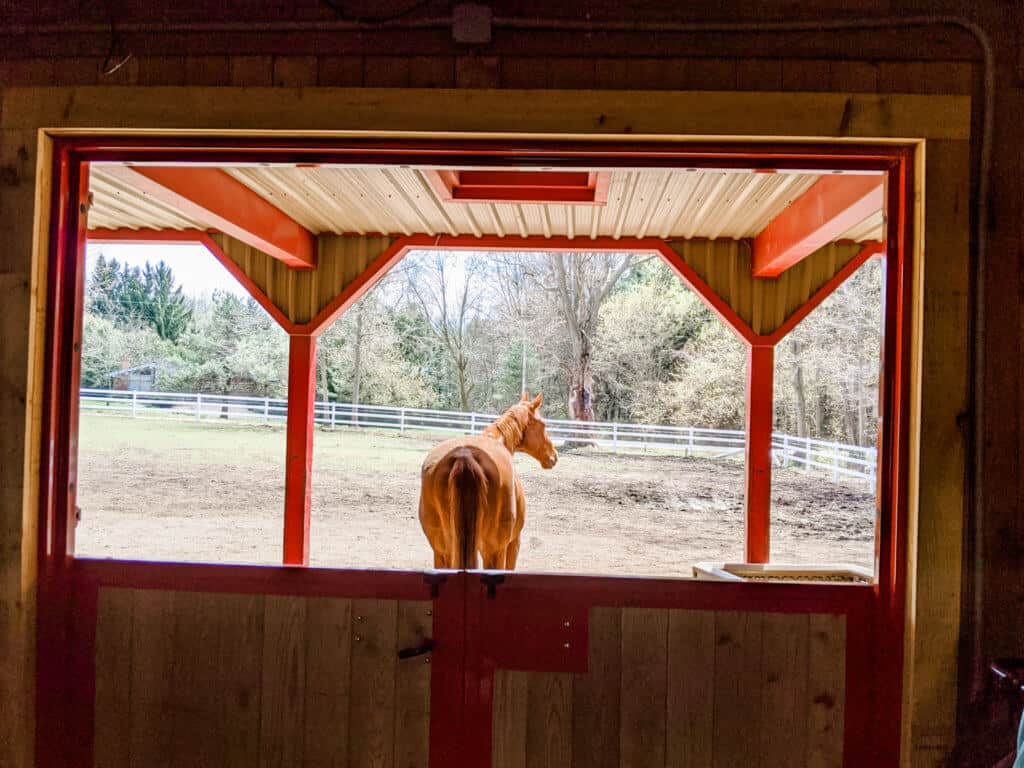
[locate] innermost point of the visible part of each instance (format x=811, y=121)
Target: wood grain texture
x=644, y=666
x=737, y=697
x=509, y=719
x=764, y=304
x=328, y=663
x=240, y=666
x=412, y=687
x=284, y=680
x=784, y=700
x=372, y=707
x=301, y=294
x=549, y=721
x=826, y=685
x=152, y=669
x=597, y=695
x=111, y=744
x=691, y=689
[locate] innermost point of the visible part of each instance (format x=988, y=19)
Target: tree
x=167, y=310
x=101, y=292
x=449, y=298
x=577, y=285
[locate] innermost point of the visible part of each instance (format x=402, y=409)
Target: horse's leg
x=494, y=560
x=512, y=551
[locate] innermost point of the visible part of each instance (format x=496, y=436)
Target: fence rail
x=834, y=459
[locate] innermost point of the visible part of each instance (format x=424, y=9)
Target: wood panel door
x=610, y=673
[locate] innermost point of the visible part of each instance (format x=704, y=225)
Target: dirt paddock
x=166, y=490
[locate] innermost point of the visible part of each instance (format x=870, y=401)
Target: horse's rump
x=467, y=488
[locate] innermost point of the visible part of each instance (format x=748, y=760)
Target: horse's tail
x=467, y=487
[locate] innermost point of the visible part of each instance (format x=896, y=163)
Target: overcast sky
x=195, y=269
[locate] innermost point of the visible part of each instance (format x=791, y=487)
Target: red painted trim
x=830, y=208
x=520, y=186
x=299, y=448
x=448, y=675
x=57, y=582
x=253, y=579
x=197, y=237
x=215, y=199
x=869, y=251
x=758, y=490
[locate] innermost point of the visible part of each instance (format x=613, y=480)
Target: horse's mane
x=510, y=426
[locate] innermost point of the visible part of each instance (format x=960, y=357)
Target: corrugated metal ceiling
x=641, y=203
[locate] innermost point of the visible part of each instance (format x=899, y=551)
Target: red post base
x=299, y=448
x=758, y=501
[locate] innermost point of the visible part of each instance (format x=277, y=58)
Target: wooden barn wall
x=187, y=679
x=940, y=60
x=301, y=294
x=763, y=304
x=682, y=688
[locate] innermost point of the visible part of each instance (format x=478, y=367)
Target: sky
x=195, y=269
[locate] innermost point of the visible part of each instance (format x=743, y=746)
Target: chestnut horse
x=471, y=500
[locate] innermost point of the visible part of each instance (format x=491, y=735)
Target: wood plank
x=282, y=703
x=826, y=689
x=737, y=701
x=152, y=670
x=784, y=657
x=372, y=710
x=644, y=664
x=549, y=721
x=240, y=667
x=508, y=719
x=328, y=672
x=492, y=111
x=113, y=678
x=691, y=689
x=596, y=694
x=412, y=689
x=934, y=636
x=196, y=701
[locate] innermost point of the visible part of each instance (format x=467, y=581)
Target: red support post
x=758, y=500
x=299, y=448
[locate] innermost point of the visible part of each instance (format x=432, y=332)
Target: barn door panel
x=203, y=679
x=664, y=687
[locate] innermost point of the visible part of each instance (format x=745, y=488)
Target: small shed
x=138, y=378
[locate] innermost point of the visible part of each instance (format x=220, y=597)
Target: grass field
x=175, y=490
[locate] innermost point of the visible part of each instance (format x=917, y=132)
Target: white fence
x=835, y=459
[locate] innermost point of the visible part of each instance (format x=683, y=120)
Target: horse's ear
x=526, y=396
x=536, y=402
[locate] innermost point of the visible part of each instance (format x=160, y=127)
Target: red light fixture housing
x=511, y=187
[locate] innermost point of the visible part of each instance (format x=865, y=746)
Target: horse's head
x=536, y=442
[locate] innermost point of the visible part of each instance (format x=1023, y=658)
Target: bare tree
x=578, y=284
x=450, y=299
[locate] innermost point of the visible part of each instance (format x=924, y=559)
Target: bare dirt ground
x=166, y=490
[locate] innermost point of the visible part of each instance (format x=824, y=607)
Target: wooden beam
x=299, y=448
x=830, y=208
x=758, y=498
x=216, y=200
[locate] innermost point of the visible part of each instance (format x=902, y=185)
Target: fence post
x=835, y=462
x=807, y=454
x=615, y=436
x=401, y=421
x=785, y=450
x=472, y=423
x=266, y=410
x=199, y=406
x=872, y=456
x=135, y=403
x=689, y=441
x=334, y=415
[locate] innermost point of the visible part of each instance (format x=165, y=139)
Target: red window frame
x=65, y=274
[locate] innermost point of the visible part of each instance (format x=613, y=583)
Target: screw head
x=567, y=645
x=568, y=623
x=358, y=638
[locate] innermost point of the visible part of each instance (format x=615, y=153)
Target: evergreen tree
x=167, y=310
x=101, y=294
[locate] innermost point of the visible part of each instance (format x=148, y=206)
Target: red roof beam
x=216, y=200
x=831, y=207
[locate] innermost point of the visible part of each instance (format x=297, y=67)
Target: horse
x=471, y=500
